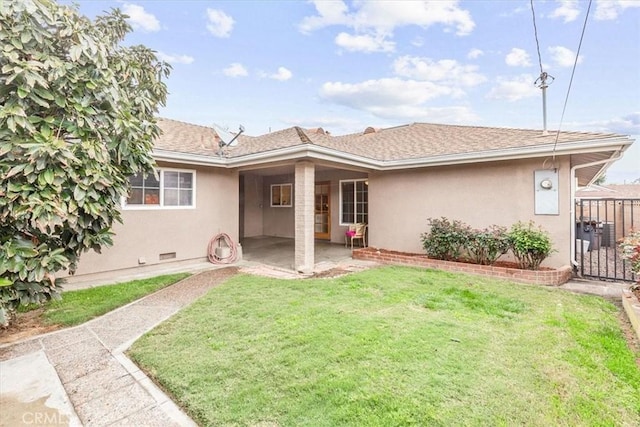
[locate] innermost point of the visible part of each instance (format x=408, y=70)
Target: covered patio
x=280, y=252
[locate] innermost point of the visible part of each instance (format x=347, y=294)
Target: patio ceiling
x=587, y=174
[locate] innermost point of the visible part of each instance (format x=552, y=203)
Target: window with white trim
x=281, y=195
x=354, y=201
x=171, y=188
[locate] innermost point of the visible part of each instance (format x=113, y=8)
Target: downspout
x=572, y=215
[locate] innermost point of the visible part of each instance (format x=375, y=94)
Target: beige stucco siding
x=253, y=205
x=148, y=233
x=278, y=221
x=499, y=193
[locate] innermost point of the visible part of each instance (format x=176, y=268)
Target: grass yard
x=395, y=346
x=77, y=307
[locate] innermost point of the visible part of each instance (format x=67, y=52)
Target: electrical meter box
x=547, y=198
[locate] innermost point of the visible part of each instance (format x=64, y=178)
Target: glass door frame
x=322, y=211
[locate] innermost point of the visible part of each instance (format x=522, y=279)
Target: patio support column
x=304, y=199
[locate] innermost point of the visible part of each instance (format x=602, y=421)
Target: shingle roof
x=417, y=140
x=610, y=191
x=184, y=137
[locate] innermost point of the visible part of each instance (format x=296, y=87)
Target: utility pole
x=543, y=83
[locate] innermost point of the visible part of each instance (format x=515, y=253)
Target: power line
x=575, y=64
x=535, y=33
x=545, y=79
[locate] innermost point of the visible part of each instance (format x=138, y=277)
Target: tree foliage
x=76, y=120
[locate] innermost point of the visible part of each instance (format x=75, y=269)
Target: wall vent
x=168, y=255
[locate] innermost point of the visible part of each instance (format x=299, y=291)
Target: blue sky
x=346, y=65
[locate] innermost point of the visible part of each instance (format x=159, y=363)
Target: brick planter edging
x=632, y=307
x=536, y=277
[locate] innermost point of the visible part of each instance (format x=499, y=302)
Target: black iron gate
x=600, y=225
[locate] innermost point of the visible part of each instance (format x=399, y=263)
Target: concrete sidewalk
x=595, y=287
x=80, y=376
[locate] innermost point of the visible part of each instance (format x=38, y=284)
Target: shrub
x=446, y=240
x=529, y=244
x=486, y=246
x=630, y=246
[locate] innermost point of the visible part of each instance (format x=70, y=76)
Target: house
x=609, y=191
x=307, y=184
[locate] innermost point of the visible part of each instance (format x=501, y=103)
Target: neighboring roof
x=610, y=191
x=414, y=145
x=184, y=137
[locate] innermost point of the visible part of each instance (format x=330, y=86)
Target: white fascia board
x=298, y=152
x=190, y=159
x=580, y=147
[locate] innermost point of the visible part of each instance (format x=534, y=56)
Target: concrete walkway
x=595, y=287
x=103, y=387
x=80, y=376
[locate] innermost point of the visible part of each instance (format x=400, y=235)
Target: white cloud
x=364, y=43
x=372, y=95
x=446, y=71
x=517, y=58
x=141, y=19
x=517, y=11
x=282, y=74
x=376, y=21
x=175, y=59
x=475, y=54
x=563, y=57
x=418, y=42
x=515, y=88
x=329, y=13
x=397, y=99
x=626, y=125
x=235, y=70
x=610, y=9
x=568, y=10
x=219, y=23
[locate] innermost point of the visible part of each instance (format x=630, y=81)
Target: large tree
x=76, y=120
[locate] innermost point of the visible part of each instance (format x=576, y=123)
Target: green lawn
x=395, y=346
x=80, y=306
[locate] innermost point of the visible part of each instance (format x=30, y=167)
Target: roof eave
x=189, y=158
x=312, y=151
x=579, y=147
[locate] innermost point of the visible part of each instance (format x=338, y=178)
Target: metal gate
x=600, y=225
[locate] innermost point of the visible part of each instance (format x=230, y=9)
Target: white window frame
x=161, y=205
x=286, y=184
x=355, y=198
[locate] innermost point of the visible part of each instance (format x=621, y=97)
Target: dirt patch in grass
x=26, y=325
x=333, y=272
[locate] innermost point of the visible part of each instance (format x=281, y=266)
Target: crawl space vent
x=168, y=255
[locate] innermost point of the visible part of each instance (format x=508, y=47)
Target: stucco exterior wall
x=278, y=221
x=499, y=193
x=253, y=205
x=147, y=233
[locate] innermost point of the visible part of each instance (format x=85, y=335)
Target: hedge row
x=457, y=241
